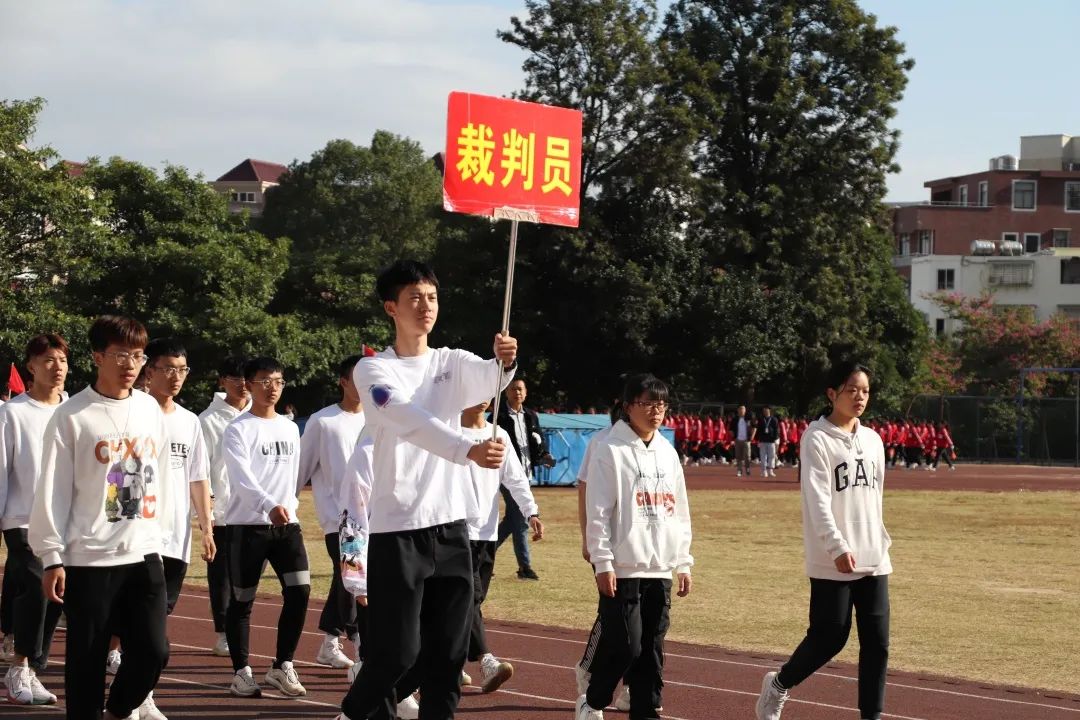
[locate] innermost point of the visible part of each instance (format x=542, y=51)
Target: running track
x=703, y=682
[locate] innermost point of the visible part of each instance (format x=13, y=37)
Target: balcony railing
x=941, y=203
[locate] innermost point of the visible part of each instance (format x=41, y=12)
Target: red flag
x=367, y=352
x=15, y=381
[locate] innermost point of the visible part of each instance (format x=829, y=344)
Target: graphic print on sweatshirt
x=278, y=452
x=178, y=455
x=654, y=492
x=130, y=466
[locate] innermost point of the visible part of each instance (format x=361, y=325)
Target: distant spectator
x=768, y=433
x=742, y=429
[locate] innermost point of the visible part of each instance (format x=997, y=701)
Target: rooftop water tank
x=1012, y=248
x=982, y=247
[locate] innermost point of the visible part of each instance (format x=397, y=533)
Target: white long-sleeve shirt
x=103, y=483
x=188, y=465
x=214, y=419
x=637, y=513
x=413, y=407
x=328, y=442
x=262, y=457
x=22, y=426
x=483, y=517
x=843, y=483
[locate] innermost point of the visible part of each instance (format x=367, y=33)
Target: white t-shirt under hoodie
x=843, y=482
x=188, y=465
x=22, y=425
x=103, y=485
x=483, y=519
x=328, y=442
x=413, y=408
x=262, y=457
x=214, y=419
x=636, y=510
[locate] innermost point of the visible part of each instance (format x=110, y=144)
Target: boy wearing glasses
x=223, y=409
x=638, y=533
x=262, y=456
x=100, y=563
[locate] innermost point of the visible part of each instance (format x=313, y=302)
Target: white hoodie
x=214, y=419
x=637, y=513
x=843, y=479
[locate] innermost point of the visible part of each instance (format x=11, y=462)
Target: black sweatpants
x=175, y=572
x=217, y=577
x=130, y=601
x=8, y=588
x=633, y=626
x=831, y=603
x=483, y=565
x=251, y=547
x=33, y=617
x=339, y=614
x=420, y=595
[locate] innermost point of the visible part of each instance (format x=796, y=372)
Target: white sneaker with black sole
x=244, y=685
x=770, y=702
x=582, y=711
x=149, y=710
x=286, y=680
x=493, y=673
x=331, y=655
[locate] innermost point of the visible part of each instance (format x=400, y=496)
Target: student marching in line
x=95, y=525
x=223, y=409
x=262, y=457
x=638, y=532
x=328, y=442
x=166, y=370
x=22, y=425
x=847, y=547
x=484, y=535
x=420, y=587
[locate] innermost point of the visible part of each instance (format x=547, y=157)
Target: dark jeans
x=631, y=644
x=420, y=595
x=217, y=577
x=831, y=604
x=33, y=617
x=98, y=601
x=514, y=524
x=251, y=547
x=340, y=611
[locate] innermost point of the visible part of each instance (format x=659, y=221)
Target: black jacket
x=768, y=429
x=537, y=448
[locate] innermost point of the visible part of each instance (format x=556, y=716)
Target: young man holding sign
x=420, y=586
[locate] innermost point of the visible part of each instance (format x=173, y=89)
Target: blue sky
x=206, y=84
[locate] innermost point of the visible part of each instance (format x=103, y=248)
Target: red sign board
x=512, y=159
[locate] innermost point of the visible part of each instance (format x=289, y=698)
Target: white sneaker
x=738, y=473
x=17, y=684
x=408, y=709
x=112, y=663
x=41, y=695
x=582, y=711
x=622, y=700
x=466, y=678
x=354, y=671
x=582, y=676
x=244, y=685
x=149, y=711
x=771, y=702
x=493, y=673
x=330, y=654
x=221, y=647
x=286, y=680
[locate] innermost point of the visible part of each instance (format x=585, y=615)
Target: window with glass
x=984, y=193
x=1072, y=197
x=1061, y=237
x=926, y=242
x=1070, y=271
x=1032, y=242
x=946, y=279
x=1024, y=194
x=963, y=195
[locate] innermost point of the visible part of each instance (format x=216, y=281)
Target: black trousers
x=33, y=617
x=251, y=547
x=631, y=644
x=7, y=596
x=420, y=595
x=339, y=614
x=175, y=572
x=130, y=601
x=217, y=577
x=831, y=604
x=483, y=565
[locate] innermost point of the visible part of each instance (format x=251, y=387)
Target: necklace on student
x=119, y=433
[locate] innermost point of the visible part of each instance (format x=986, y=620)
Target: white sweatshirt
x=843, y=479
x=413, y=407
x=262, y=457
x=599, y=437
x=636, y=510
x=483, y=518
x=188, y=465
x=354, y=490
x=103, y=482
x=214, y=419
x=22, y=426
x=328, y=442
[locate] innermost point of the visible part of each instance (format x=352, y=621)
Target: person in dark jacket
x=768, y=432
x=523, y=427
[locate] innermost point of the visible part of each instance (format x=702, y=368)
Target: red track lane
x=703, y=682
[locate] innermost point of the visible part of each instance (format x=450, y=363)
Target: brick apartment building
x=247, y=183
x=1013, y=229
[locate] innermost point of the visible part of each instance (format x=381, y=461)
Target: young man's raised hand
x=488, y=454
x=506, y=348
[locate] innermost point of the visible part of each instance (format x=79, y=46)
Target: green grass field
x=986, y=585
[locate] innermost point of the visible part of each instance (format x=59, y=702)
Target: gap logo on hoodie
x=844, y=479
x=131, y=474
